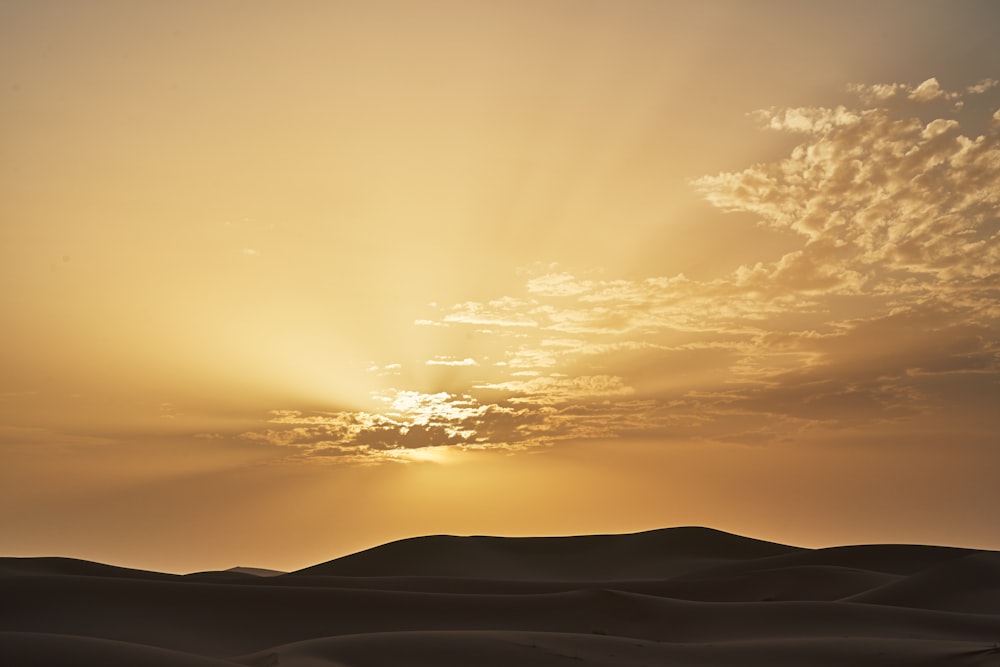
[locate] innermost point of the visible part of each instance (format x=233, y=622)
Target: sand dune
x=528, y=649
x=677, y=596
x=656, y=553
x=256, y=571
x=73, y=567
x=792, y=583
x=892, y=559
x=969, y=584
x=27, y=648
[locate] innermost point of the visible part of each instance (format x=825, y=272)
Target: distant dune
x=678, y=596
x=655, y=553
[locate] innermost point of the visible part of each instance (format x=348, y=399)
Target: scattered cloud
x=409, y=421
x=887, y=311
x=926, y=91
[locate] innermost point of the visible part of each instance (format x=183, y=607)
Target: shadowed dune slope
x=652, y=554
x=968, y=584
x=892, y=559
x=534, y=649
x=792, y=583
x=797, y=582
x=221, y=620
x=806, y=582
x=24, y=649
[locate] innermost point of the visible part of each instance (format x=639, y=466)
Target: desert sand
x=678, y=596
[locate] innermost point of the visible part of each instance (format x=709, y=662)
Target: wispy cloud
x=561, y=390
x=451, y=361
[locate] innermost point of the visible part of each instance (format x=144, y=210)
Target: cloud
x=982, y=86
x=929, y=90
x=451, y=361
x=888, y=199
x=556, y=284
x=558, y=390
x=409, y=421
x=886, y=312
x=505, y=312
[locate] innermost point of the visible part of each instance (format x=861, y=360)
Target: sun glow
x=439, y=454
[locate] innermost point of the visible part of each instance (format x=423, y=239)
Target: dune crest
x=655, y=553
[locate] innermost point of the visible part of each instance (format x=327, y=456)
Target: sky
x=284, y=281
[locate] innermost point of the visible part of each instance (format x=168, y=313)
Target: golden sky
x=281, y=281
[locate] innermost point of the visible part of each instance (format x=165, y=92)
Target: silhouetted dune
x=256, y=571
x=651, y=554
x=52, y=566
x=232, y=575
x=686, y=596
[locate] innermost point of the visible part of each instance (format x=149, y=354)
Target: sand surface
x=678, y=596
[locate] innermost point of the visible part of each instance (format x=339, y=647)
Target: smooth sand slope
x=679, y=596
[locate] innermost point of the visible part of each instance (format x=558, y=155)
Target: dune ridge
x=685, y=596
